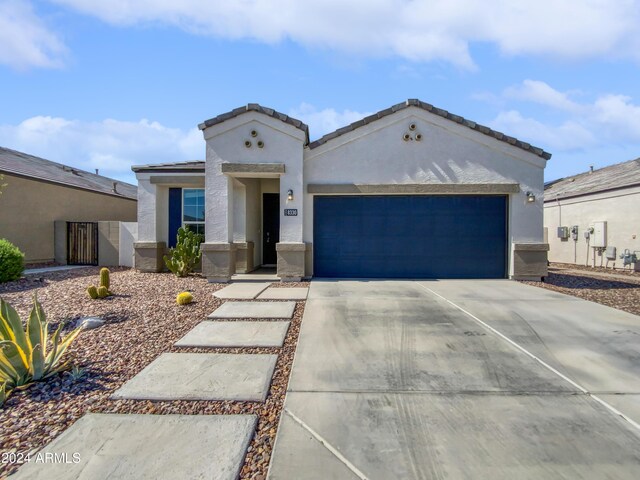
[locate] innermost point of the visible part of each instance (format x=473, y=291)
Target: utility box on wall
x=599, y=235
x=563, y=233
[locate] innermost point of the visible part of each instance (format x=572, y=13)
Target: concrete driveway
x=460, y=379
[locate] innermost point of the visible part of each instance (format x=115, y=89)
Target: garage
x=410, y=236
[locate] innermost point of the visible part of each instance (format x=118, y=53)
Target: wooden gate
x=82, y=243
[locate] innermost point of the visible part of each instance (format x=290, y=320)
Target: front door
x=270, y=227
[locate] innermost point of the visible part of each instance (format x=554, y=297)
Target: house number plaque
x=290, y=212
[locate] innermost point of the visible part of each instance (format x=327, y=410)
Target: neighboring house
x=606, y=200
x=41, y=196
x=410, y=192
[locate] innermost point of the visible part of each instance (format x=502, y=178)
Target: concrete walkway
x=145, y=447
x=61, y=268
x=460, y=379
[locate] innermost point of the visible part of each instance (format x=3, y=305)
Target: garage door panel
x=410, y=236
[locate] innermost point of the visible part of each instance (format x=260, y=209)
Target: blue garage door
x=410, y=236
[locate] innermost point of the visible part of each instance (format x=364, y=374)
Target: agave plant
x=25, y=355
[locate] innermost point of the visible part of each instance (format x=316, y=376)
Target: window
x=193, y=209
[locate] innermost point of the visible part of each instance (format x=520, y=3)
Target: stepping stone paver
x=242, y=290
x=235, y=334
x=254, y=310
x=294, y=293
x=153, y=447
x=202, y=376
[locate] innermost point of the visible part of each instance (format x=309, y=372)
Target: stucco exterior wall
x=28, y=209
x=447, y=154
x=621, y=211
x=283, y=144
x=128, y=236
x=153, y=203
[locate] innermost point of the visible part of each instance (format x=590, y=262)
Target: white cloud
x=110, y=145
x=567, y=136
x=25, y=41
x=325, y=121
x=608, y=120
x=540, y=92
x=421, y=30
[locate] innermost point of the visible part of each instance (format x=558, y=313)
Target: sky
x=105, y=84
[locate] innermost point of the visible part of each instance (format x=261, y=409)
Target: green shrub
x=29, y=355
x=183, y=258
x=11, y=261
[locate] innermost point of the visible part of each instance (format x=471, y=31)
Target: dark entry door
x=82, y=243
x=270, y=227
x=453, y=236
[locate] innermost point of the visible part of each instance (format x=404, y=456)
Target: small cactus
x=104, y=278
x=92, y=291
x=184, y=298
x=103, y=292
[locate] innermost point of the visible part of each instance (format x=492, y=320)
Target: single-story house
x=594, y=217
x=41, y=196
x=412, y=191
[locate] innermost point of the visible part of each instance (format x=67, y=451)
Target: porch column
x=149, y=247
x=218, y=251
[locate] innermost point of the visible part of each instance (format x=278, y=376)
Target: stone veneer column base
x=244, y=257
x=148, y=256
x=291, y=261
x=530, y=261
x=218, y=261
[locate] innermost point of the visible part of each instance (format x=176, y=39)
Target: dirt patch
x=143, y=321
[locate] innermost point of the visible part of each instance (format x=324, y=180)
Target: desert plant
x=104, y=278
x=102, y=292
x=11, y=261
x=186, y=254
x=24, y=354
x=77, y=373
x=184, y=298
x=92, y=291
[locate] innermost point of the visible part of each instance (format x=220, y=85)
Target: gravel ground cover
x=143, y=321
x=608, y=271
x=612, y=292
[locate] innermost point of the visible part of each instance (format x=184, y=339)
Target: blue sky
x=106, y=84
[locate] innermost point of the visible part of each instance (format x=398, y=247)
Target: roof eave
x=413, y=102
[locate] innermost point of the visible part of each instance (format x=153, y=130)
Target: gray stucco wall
x=620, y=209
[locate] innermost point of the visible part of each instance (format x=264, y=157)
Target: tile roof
x=173, y=167
x=29, y=166
x=613, y=177
x=436, y=111
x=254, y=107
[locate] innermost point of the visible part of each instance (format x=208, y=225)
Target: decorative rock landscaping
x=142, y=322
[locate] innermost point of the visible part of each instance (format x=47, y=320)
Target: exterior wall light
x=290, y=195
x=531, y=197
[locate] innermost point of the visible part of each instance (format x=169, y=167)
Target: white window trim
x=182, y=218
